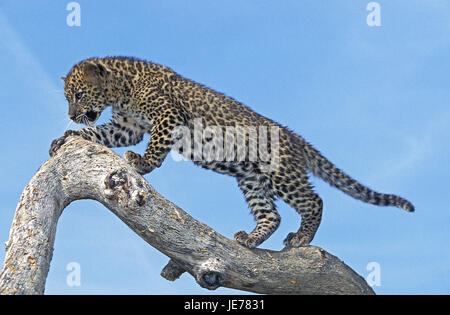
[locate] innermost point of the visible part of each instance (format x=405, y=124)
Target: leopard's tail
x=321, y=167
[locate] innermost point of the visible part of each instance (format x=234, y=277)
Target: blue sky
x=374, y=100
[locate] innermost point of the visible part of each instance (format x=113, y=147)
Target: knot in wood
x=212, y=280
x=139, y=197
x=210, y=274
x=116, y=178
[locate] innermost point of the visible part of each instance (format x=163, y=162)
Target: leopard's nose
x=72, y=112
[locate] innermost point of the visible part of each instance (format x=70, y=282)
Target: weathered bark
x=83, y=170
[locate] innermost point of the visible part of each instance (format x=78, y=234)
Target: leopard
x=149, y=98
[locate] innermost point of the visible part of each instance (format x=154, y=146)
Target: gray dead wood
x=83, y=170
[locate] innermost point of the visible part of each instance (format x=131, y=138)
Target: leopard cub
x=151, y=98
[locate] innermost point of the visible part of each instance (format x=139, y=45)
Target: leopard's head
x=86, y=87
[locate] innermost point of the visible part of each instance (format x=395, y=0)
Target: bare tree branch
x=83, y=170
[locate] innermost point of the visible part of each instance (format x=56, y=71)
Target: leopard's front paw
x=246, y=240
x=56, y=144
x=137, y=162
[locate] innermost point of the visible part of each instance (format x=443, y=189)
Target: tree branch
x=84, y=170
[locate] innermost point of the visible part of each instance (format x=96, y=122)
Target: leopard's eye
x=78, y=96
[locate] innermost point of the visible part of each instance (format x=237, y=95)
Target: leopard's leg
x=310, y=208
x=111, y=135
x=161, y=141
x=298, y=194
x=164, y=116
x=154, y=156
x=260, y=198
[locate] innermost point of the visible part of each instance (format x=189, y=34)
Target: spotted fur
x=150, y=98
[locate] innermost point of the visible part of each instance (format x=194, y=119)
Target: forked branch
x=84, y=170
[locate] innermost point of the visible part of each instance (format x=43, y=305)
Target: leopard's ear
x=95, y=72
x=63, y=78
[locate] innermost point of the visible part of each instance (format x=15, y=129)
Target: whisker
x=68, y=125
x=86, y=121
x=79, y=118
